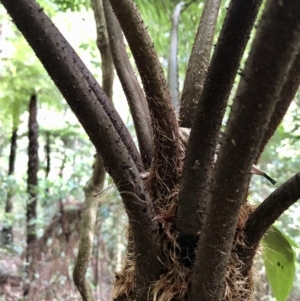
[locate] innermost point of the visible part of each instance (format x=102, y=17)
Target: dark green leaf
x=279, y=258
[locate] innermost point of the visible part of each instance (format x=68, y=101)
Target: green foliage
x=72, y=5
x=279, y=258
x=22, y=75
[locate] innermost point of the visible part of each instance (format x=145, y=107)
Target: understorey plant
x=192, y=234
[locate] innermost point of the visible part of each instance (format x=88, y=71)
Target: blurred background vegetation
x=61, y=138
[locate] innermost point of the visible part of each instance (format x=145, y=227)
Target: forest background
x=66, y=155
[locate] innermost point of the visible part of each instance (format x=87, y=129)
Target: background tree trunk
x=32, y=181
x=7, y=230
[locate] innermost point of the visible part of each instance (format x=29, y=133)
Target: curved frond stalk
x=198, y=166
x=267, y=213
x=198, y=63
x=277, y=39
x=285, y=98
x=66, y=60
x=167, y=155
x=89, y=215
x=100, y=121
x=134, y=94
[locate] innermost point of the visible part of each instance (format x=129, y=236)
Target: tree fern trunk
x=33, y=165
x=7, y=233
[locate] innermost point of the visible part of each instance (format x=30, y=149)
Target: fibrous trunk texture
x=167, y=154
